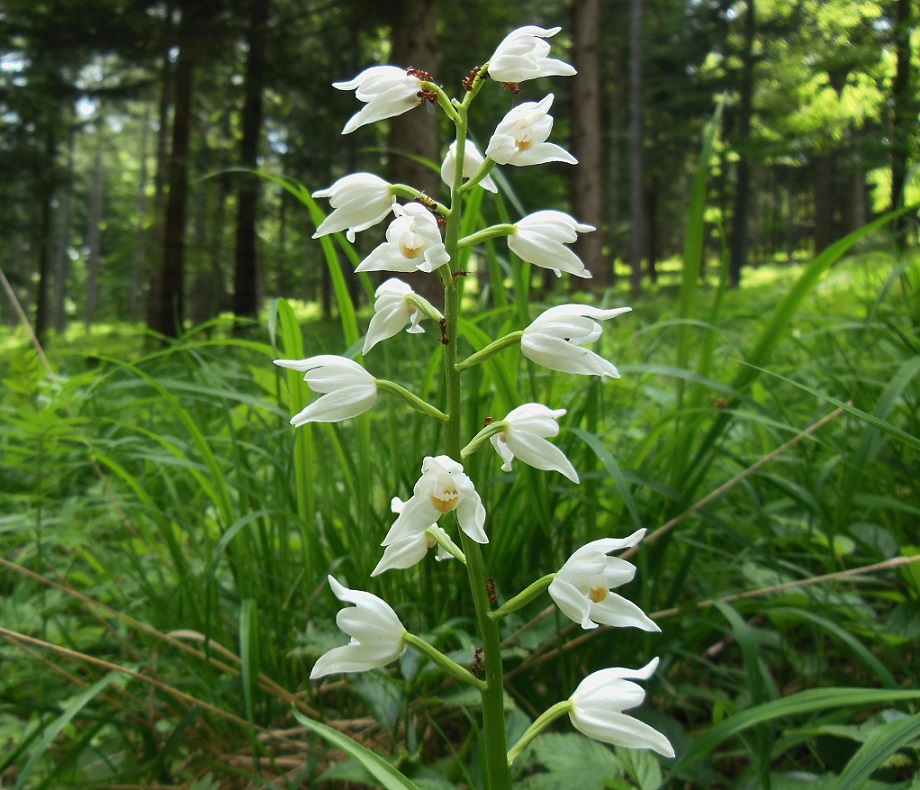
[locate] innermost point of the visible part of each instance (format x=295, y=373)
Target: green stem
x=412, y=399
x=411, y=193
x=498, y=775
x=490, y=350
x=484, y=169
x=483, y=436
x=505, y=229
x=450, y=666
x=524, y=597
x=549, y=715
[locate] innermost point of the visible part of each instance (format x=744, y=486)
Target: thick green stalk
x=498, y=775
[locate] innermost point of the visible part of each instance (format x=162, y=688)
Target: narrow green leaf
x=381, y=770
x=883, y=742
x=54, y=728
x=806, y=702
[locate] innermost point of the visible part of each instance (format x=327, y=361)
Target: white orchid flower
x=348, y=389
x=540, y=238
x=556, y=338
x=377, y=635
x=520, y=137
x=409, y=549
x=522, y=55
x=442, y=488
x=524, y=437
x=413, y=243
x=392, y=309
x=387, y=91
x=472, y=161
x=582, y=587
x=598, y=704
x=360, y=201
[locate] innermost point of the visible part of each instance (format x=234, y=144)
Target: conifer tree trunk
x=245, y=290
x=586, y=191
x=636, y=219
x=903, y=115
x=62, y=243
x=94, y=235
x=739, y=228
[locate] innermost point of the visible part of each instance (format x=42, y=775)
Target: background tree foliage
x=151, y=107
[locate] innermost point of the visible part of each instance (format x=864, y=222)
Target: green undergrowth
x=158, y=514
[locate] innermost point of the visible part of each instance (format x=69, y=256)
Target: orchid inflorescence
x=557, y=339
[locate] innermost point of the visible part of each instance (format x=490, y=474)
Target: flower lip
x=413, y=243
x=442, y=488
x=522, y=55
x=582, y=588
x=520, y=137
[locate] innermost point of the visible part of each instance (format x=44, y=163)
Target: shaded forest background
x=125, y=128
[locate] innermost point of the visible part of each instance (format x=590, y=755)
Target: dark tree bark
x=415, y=44
x=62, y=245
x=94, y=236
x=739, y=229
x=245, y=290
x=586, y=191
x=45, y=192
x=902, y=114
x=636, y=220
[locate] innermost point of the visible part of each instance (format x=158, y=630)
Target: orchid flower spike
x=582, y=588
x=522, y=55
x=413, y=243
x=360, y=201
x=377, y=635
x=520, y=137
x=349, y=390
x=524, y=437
x=556, y=338
x=598, y=704
x=386, y=90
x=540, y=238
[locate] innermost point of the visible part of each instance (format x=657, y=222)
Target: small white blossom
x=442, y=488
x=540, y=238
x=556, y=338
x=349, y=390
x=387, y=91
x=392, y=309
x=360, y=201
x=598, y=704
x=528, y=426
x=522, y=55
x=409, y=549
x=413, y=243
x=582, y=587
x=375, y=630
x=520, y=137
x=472, y=161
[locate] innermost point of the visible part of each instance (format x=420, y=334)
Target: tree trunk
x=45, y=192
x=415, y=44
x=140, y=233
x=636, y=220
x=586, y=192
x=739, y=230
x=62, y=245
x=822, y=179
x=245, y=290
x=903, y=116
x=94, y=235
x=170, y=311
